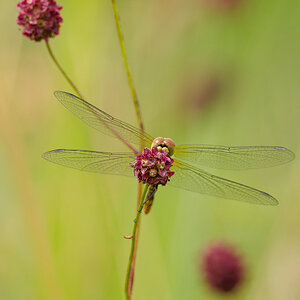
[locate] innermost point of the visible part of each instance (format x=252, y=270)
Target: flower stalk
x=132, y=257
x=128, y=72
x=81, y=96
x=62, y=70
x=130, y=268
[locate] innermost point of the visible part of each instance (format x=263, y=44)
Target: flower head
x=153, y=166
x=40, y=19
x=223, y=268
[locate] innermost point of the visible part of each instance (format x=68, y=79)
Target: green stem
x=63, y=71
x=129, y=275
x=124, y=55
x=132, y=258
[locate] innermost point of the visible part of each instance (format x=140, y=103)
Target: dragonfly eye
x=170, y=144
x=165, y=144
x=157, y=142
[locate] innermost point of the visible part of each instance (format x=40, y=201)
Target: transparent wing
x=93, y=161
x=196, y=180
x=234, y=158
x=102, y=121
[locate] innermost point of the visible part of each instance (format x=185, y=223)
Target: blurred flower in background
x=40, y=19
x=222, y=266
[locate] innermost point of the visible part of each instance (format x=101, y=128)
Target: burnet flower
x=40, y=19
x=153, y=166
x=223, y=267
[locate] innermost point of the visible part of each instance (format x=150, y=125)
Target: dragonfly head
x=164, y=144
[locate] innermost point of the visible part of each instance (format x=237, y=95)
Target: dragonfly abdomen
x=150, y=199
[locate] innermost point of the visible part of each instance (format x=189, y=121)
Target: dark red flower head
x=153, y=166
x=223, y=268
x=40, y=19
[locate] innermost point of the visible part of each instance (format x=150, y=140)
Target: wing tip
x=291, y=154
x=57, y=94
x=47, y=155
x=271, y=200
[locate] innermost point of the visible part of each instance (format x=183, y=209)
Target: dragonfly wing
x=92, y=161
x=196, y=180
x=102, y=121
x=234, y=158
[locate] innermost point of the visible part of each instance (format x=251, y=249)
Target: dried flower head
x=223, y=268
x=40, y=19
x=153, y=166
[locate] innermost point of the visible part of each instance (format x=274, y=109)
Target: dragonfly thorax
x=165, y=144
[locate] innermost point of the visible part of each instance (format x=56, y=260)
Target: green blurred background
x=204, y=73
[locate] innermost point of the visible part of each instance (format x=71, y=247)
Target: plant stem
x=63, y=71
x=129, y=76
x=130, y=272
x=139, y=196
x=132, y=257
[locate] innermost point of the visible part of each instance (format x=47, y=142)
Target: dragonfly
x=187, y=158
